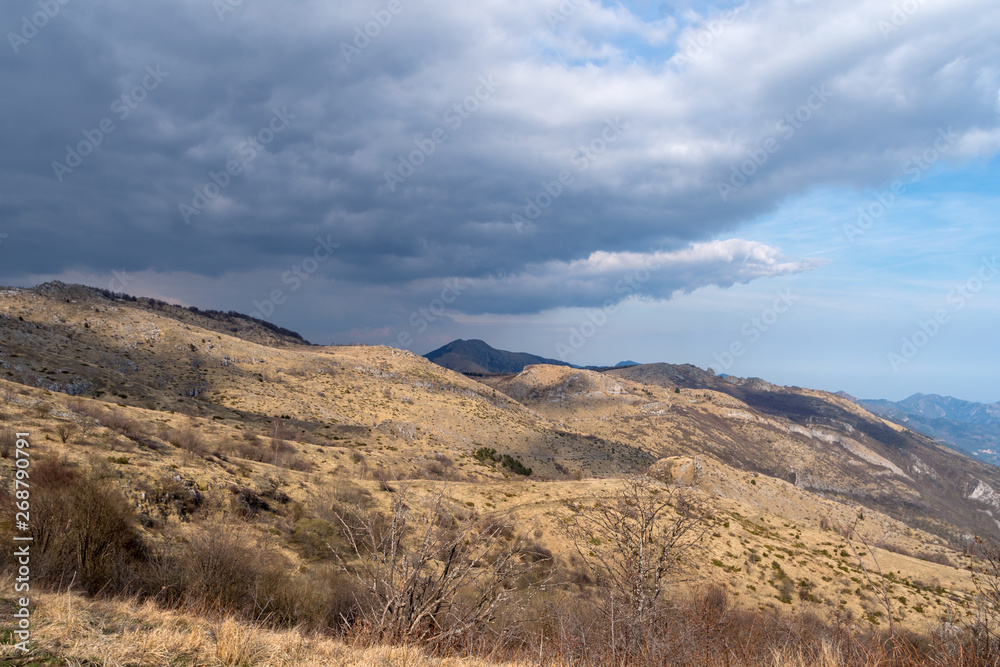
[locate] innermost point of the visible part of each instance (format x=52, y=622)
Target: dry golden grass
x=76, y=631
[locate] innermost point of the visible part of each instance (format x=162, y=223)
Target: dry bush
x=83, y=531
x=251, y=449
x=440, y=467
x=65, y=431
x=939, y=558
x=187, y=439
x=280, y=453
x=220, y=571
x=897, y=549
x=430, y=577
x=297, y=463
x=41, y=410
x=8, y=440
x=122, y=424
x=706, y=629
x=348, y=507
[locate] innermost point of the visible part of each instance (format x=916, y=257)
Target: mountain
x=475, y=356
x=973, y=428
x=623, y=364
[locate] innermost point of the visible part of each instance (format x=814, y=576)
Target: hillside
x=249, y=441
x=813, y=440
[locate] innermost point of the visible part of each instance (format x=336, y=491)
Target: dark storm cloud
x=458, y=140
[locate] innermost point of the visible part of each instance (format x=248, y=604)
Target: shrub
x=939, y=558
x=122, y=424
x=485, y=454
x=65, y=431
x=187, y=439
x=251, y=449
x=41, y=409
x=515, y=465
x=83, y=530
x=316, y=539
x=8, y=440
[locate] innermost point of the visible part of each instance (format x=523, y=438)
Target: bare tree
x=430, y=575
x=636, y=543
x=985, y=567
x=65, y=431
x=860, y=547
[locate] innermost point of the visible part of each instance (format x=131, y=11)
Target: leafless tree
x=429, y=573
x=860, y=547
x=985, y=566
x=65, y=431
x=636, y=543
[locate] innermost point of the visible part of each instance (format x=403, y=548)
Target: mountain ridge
x=970, y=427
x=477, y=356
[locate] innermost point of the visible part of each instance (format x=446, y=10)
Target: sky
x=799, y=190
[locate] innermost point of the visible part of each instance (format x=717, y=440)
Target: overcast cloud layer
x=538, y=152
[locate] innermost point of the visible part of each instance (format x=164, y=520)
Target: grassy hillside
x=248, y=476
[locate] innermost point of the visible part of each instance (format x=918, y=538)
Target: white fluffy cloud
x=609, y=277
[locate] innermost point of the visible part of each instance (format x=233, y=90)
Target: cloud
x=694, y=117
x=605, y=278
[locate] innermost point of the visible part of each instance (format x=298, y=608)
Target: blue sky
x=662, y=181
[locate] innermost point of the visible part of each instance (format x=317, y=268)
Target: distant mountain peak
x=625, y=364
x=477, y=356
